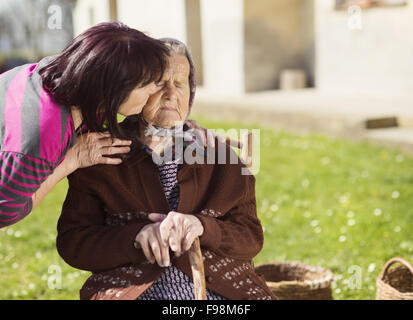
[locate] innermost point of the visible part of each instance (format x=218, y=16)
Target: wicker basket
x=297, y=281
x=397, y=283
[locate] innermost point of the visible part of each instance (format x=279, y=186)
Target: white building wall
x=157, y=18
x=376, y=60
x=222, y=28
x=223, y=45
x=88, y=13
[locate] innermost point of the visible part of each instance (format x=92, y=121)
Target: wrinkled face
x=138, y=97
x=171, y=102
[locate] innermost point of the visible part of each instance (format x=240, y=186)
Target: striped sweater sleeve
x=35, y=134
x=20, y=177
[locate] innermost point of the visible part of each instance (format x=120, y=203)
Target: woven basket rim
x=385, y=289
x=324, y=282
x=382, y=285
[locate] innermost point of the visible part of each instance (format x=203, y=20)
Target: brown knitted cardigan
x=106, y=206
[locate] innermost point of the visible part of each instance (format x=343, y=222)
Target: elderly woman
x=132, y=224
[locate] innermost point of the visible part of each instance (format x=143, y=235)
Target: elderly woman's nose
x=170, y=92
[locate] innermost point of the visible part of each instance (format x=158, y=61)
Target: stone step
x=308, y=111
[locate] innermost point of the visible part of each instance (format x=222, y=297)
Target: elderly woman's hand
x=178, y=230
x=90, y=149
x=207, y=135
x=149, y=240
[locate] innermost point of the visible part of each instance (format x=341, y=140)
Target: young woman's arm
x=89, y=150
x=25, y=181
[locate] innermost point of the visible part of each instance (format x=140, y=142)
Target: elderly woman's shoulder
x=95, y=173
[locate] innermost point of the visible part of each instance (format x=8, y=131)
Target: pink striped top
x=35, y=134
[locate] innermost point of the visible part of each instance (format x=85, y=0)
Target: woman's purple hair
x=98, y=70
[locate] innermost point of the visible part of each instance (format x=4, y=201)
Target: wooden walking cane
x=195, y=255
x=198, y=273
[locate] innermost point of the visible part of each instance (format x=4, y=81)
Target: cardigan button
x=209, y=279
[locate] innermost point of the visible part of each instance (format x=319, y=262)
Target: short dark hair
x=98, y=70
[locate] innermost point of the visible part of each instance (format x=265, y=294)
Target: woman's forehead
x=178, y=66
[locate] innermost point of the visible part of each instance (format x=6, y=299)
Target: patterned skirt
x=173, y=284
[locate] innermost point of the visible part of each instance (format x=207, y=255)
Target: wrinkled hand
x=149, y=240
x=90, y=149
x=178, y=230
x=207, y=135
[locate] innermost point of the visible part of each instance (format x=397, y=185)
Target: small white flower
x=15, y=265
x=343, y=199
x=314, y=223
x=342, y=238
x=18, y=234
x=350, y=214
x=38, y=255
x=399, y=158
x=372, y=267
x=397, y=229
x=395, y=194
x=10, y=231
x=377, y=212
x=338, y=290
x=274, y=208
x=406, y=245
x=351, y=222
x=317, y=230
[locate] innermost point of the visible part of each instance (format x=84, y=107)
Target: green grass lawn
x=323, y=201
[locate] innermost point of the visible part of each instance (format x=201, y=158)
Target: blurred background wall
x=376, y=59
x=243, y=46
x=278, y=35
x=250, y=43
